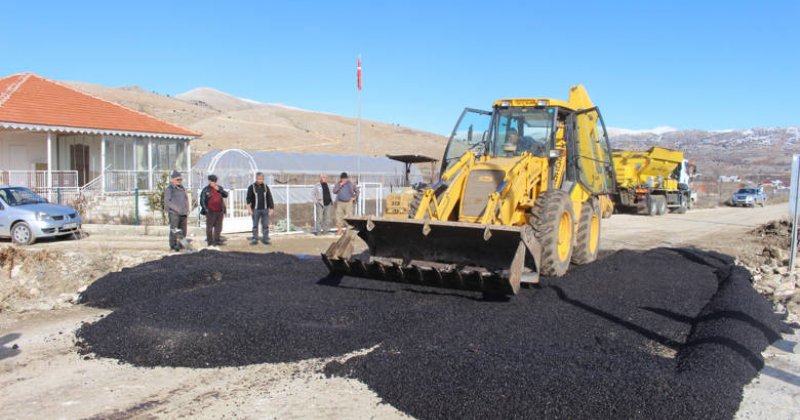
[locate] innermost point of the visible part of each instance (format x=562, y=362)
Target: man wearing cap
x=176, y=203
x=261, y=206
x=322, y=199
x=212, y=205
x=346, y=194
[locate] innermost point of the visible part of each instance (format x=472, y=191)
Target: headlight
x=42, y=216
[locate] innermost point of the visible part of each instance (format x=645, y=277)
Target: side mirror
x=555, y=153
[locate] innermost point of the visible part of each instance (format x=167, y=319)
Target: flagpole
x=358, y=127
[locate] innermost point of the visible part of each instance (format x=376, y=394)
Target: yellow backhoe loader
x=518, y=197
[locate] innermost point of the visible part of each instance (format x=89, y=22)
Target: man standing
x=176, y=202
x=322, y=199
x=261, y=207
x=346, y=195
x=212, y=205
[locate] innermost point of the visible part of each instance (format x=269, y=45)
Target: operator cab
x=523, y=130
x=544, y=128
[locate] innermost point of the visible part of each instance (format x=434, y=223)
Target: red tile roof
x=30, y=99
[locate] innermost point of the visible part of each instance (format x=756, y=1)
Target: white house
x=55, y=138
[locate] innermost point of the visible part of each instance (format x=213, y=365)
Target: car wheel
x=22, y=234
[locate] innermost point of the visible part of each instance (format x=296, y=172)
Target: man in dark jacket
x=261, y=206
x=212, y=205
x=176, y=203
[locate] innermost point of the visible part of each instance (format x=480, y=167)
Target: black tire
x=682, y=208
x=587, y=240
x=661, y=205
x=21, y=234
x=546, y=220
x=652, y=206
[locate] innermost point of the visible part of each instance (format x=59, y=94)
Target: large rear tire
x=661, y=205
x=652, y=206
x=553, y=225
x=587, y=242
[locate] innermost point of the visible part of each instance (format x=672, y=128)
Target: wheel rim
x=564, y=235
x=594, y=233
x=21, y=234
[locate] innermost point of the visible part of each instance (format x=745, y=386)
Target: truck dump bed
x=635, y=168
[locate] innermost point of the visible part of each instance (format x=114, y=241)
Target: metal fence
x=295, y=210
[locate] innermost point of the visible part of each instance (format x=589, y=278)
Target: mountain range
x=227, y=121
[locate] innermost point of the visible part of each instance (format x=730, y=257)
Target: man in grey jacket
x=176, y=203
x=323, y=201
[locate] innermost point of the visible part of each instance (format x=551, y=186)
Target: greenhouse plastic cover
x=236, y=168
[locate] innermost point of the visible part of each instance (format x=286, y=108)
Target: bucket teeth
x=455, y=255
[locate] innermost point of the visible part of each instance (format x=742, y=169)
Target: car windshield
x=746, y=191
x=518, y=130
x=18, y=196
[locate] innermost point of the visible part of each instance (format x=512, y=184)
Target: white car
x=26, y=216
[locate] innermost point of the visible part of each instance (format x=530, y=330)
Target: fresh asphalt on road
x=659, y=334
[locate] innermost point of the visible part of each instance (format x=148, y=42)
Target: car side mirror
x=555, y=153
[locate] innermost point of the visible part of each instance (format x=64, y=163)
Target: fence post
x=58, y=195
x=316, y=228
x=288, y=210
x=136, y=206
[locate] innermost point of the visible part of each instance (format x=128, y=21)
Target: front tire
x=587, y=242
x=553, y=225
x=21, y=234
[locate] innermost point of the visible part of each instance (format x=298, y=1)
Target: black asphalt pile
x=637, y=335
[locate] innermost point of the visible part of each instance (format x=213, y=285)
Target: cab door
x=595, y=165
x=471, y=133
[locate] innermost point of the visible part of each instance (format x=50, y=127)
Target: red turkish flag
x=358, y=71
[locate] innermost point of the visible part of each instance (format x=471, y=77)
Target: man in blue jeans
x=261, y=206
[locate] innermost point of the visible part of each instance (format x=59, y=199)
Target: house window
x=170, y=154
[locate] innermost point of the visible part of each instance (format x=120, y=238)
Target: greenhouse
x=236, y=168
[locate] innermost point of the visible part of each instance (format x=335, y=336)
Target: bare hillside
x=755, y=154
x=205, y=96
x=230, y=122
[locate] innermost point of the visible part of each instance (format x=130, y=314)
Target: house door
x=79, y=161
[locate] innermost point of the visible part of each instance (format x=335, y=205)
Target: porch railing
x=37, y=180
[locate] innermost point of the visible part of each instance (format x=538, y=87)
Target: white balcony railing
x=37, y=180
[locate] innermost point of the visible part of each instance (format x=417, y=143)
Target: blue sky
x=685, y=64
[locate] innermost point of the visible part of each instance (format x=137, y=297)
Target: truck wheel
x=587, y=241
x=652, y=206
x=553, y=225
x=22, y=234
x=682, y=208
x=662, y=205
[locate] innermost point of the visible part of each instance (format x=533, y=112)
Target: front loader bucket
x=457, y=255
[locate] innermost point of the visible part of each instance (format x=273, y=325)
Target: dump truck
x=653, y=181
x=518, y=197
